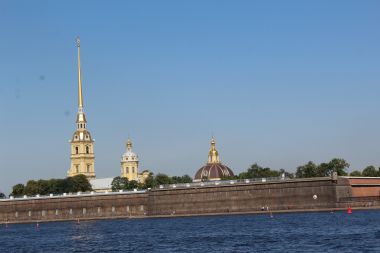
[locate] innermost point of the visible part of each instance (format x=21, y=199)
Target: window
x=127, y=170
x=76, y=150
x=88, y=167
x=77, y=168
x=133, y=170
x=87, y=150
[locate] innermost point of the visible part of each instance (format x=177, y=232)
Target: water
x=302, y=232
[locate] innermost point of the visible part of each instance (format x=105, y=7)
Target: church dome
x=213, y=172
x=214, y=169
x=129, y=155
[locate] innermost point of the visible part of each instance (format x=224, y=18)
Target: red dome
x=213, y=171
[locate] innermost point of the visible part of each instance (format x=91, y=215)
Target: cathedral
x=82, y=145
x=82, y=149
x=83, y=159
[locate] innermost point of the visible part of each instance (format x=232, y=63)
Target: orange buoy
x=349, y=210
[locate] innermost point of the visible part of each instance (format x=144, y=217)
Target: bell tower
x=129, y=163
x=82, y=145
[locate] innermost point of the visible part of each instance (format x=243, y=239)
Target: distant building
x=130, y=165
x=214, y=169
x=82, y=144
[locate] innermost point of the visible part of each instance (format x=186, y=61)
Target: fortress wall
x=365, y=186
x=288, y=195
x=70, y=208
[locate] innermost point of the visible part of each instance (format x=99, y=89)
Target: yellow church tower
x=129, y=163
x=82, y=144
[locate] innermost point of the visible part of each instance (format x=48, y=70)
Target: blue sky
x=277, y=82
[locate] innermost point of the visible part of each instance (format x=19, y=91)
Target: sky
x=278, y=83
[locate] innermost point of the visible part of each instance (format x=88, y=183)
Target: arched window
x=76, y=150
x=77, y=168
x=133, y=170
x=88, y=168
x=126, y=170
x=87, y=149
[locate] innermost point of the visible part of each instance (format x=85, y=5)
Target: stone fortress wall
x=283, y=195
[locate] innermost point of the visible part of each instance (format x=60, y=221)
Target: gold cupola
x=213, y=155
x=214, y=169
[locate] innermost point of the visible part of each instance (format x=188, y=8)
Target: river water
x=297, y=232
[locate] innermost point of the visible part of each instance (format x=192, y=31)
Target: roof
x=101, y=183
x=213, y=171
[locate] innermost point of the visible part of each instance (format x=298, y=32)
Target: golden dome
x=214, y=169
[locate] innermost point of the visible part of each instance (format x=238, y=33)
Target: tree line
x=152, y=181
x=77, y=183
x=308, y=170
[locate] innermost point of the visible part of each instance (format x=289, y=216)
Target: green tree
x=181, y=180
x=58, y=186
x=256, y=171
x=32, y=188
x=307, y=170
x=356, y=173
x=335, y=165
x=150, y=181
x=2, y=195
x=18, y=190
x=78, y=183
x=133, y=184
x=43, y=187
x=119, y=183
x=370, y=171
x=162, y=179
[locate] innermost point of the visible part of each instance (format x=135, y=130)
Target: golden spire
x=213, y=155
x=129, y=144
x=80, y=97
x=81, y=118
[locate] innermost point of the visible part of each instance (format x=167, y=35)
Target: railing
x=222, y=183
x=160, y=187
x=77, y=194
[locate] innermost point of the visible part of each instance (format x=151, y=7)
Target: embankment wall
x=287, y=195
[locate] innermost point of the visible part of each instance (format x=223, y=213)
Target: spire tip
x=77, y=41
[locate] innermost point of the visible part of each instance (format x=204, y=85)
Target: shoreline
x=125, y=217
